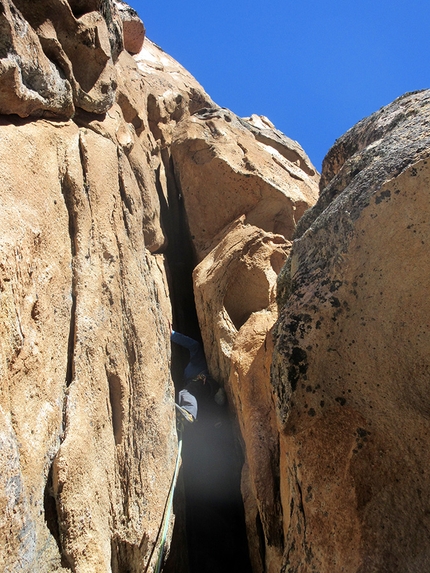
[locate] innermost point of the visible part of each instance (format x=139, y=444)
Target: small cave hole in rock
x=247, y=293
x=209, y=534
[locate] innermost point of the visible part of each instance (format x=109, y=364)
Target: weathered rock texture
x=352, y=360
x=86, y=399
x=100, y=190
x=226, y=168
x=56, y=56
x=119, y=178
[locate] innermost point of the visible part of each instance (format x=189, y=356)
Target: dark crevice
x=215, y=520
x=212, y=457
x=67, y=191
x=81, y=7
x=84, y=162
x=274, y=532
x=127, y=205
x=50, y=510
x=117, y=409
x=180, y=254
x=71, y=344
x=86, y=119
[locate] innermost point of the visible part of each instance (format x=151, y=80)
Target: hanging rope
x=167, y=510
x=169, y=506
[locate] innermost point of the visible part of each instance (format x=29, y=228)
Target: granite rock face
x=131, y=201
x=351, y=361
x=86, y=400
x=88, y=434
x=57, y=56
x=226, y=169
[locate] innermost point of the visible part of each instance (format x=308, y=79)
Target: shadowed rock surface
x=351, y=361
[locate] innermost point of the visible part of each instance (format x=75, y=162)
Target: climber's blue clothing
x=197, y=364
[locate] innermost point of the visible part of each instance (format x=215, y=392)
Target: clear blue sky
x=314, y=68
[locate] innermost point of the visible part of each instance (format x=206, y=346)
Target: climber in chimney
x=199, y=386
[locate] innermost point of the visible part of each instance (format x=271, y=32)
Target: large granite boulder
x=225, y=170
x=351, y=364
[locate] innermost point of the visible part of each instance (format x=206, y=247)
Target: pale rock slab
x=234, y=281
x=249, y=382
x=36, y=303
x=225, y=172
x=86, y=393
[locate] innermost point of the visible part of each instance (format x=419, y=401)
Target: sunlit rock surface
x=225, y=171
x=87, y=398
x=58, y=56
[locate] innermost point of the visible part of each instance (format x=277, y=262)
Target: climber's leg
x=188, y=402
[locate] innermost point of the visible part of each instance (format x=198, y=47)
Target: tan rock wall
x=36, y=303
x=88, y=430
x=83, y=384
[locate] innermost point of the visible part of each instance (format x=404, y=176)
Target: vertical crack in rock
x=50, y=510
x=84, y=162
x=212, y=458
x=68, y=194
x=301, y=529
x=117, y=409
x=126, y=203
x=261, y=541
x=180, y=253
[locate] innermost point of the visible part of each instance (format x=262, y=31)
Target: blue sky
x=314, y=68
